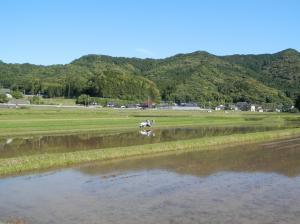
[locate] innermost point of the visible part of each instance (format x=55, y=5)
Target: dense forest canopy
x=196, y=77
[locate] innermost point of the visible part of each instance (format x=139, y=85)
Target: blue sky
x=58, y=31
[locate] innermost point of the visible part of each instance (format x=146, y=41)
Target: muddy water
x=12, y=147
x=248, y=184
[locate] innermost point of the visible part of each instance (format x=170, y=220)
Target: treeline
x=197, y=77
x=71, y=81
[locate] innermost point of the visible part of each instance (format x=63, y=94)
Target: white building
x=220, y=107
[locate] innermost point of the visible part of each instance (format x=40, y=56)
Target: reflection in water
x=67, y=143
x=8, y=141
x=282, y=157
x=252, y=184
x=148, y=133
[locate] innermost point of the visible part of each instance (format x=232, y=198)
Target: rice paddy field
x=56, y=120
x=97, y=166
x=35, y=139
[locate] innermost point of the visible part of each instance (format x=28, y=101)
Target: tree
x=52, y=88
x=76, y=80
x=297, y=102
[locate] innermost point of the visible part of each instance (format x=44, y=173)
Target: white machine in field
x=146, y=123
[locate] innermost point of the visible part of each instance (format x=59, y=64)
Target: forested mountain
x=280, y=70
x=198, y=77
x=72, y=80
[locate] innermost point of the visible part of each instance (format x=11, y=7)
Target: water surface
x=19, y=146
x=250, y=184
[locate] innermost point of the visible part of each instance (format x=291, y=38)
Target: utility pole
x=39, y=97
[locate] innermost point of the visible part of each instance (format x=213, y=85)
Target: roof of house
x=242, y=104
x=3, y=90
x=189, y=104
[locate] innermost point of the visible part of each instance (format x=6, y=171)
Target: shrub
x=83, y=99
x=3, y=98
x=35, y=100
x=24, y=107
x=17, y=94
x=294, y=110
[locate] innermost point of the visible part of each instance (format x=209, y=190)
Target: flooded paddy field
x=21, y=146
x=258, y=183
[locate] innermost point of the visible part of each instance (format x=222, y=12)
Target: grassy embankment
x=27, y=122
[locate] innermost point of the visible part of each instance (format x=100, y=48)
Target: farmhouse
x=187, y=106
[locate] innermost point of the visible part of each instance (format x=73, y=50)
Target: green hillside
x=205, y=78
x=280, y=70
x=198, y=77
x=72, y=80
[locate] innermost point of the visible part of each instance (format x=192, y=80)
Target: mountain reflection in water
x=258, y=183
x=20, y=146
x=282, y=157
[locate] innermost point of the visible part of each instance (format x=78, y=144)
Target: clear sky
x=58, y=31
